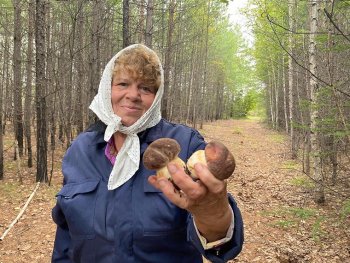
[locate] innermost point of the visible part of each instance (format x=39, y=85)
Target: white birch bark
x=291, y=78
x=314, y=90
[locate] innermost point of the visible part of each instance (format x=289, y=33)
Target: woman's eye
x=146, y=90
x=120, y=84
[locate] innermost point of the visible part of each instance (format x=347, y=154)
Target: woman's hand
x=206, y=199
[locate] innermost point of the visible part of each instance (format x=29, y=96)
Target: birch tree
x=291, y=15
x=1, y=122
x=314, y=93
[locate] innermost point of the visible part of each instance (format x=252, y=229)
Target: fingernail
x=172, y=168
x=161, y=183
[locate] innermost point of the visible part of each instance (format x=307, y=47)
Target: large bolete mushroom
x=215, y=156
x=159, y=153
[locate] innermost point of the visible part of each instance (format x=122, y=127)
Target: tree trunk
x=94, y=62
x=204, y=83
x=270, y=94
x=274, y=96
x=307, y=162
x=41, y=137
x=291, y=15
x=17, y=75
x=80, y=71
x=331, y=70
x=126, y=34
x=1, y=126
x=50, y=77
x=28, y=93
x=314, y=93
x=285, y=106
x=167, y=62
x=7, y=76
x=149, y=24
x=69, y=86
x=141, y=23
x=4, y=86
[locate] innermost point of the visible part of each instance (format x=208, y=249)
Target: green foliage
x=284, y=223
x=8, y=188
x=345, y=211
x=244, y=103
x=293, y=217
x=290, y=164
x=317, y=231
x=292, y=213
x=302, y=213
x=224, y=1
x=279, y=138
x=6, y=4
x=302, y=181
x=237, y=130
x=230, y=55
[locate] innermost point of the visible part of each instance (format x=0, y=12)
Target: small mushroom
x=216, y=157
x=159, y=153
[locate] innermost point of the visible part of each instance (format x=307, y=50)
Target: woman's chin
x=128, y=122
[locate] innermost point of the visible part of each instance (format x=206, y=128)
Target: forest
x=294, y=75
x=53, y=53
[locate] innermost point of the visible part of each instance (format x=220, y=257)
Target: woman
x=111, y=208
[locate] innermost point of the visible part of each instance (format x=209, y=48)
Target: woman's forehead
x=126, y=75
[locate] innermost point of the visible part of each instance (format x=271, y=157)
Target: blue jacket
x=135, y=222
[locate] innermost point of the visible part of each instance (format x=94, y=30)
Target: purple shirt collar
x=109, y=147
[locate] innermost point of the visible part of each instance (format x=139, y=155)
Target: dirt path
x=281, y=224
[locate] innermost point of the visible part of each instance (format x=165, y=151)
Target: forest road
x=281, y=224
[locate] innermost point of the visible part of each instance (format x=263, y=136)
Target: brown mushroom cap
x=160, y=152
x=220, y=160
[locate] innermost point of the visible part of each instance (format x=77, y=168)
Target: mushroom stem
x=164, y=173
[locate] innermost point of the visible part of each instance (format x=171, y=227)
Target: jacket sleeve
x=62, y=239
x=226, y=251
x=233, y=247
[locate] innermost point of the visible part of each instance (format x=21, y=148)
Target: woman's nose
x=133, y=91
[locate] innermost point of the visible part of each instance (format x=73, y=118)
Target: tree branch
x=21, y=212
x=335, y=25
x=300, y=65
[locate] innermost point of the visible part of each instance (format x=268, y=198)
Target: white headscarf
x=128, y=158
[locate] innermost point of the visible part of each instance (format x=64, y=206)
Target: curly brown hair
x=141, y=64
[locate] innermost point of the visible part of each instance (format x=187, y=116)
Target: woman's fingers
x=213, y=184
x=193, y=189
x=184, y=192
x=176, y=196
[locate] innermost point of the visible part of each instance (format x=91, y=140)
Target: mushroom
x=216, y=157
x=159, y=153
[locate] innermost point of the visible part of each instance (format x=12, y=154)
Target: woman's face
x=131, y=98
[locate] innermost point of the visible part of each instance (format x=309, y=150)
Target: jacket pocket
x=78, y=202
x=165, y=232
